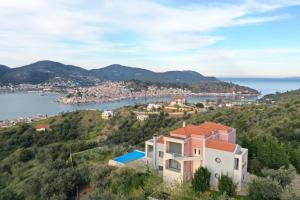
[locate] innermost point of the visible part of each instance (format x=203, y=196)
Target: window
x=236, y=163
x=160, y=154
x=218, y=160
x=173, y=164
x=175, y=148
x=150, y=151
x=197, y=151
x=217, y=175
x=160, y=168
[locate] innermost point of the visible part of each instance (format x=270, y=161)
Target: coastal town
x=115, y=91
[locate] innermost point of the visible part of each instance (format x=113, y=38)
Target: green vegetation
x=282, y=175
x=226, y=185
x=70, y=159
x=197, y=87
x=200, y=181
x=264, y=189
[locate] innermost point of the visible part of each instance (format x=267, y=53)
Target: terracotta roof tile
x=191, y=130
x=204, y=129
x=161, y=139
x=39, y=126
x=212, y=126
x=221, y=145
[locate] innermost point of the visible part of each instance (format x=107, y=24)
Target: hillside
x=122, y=73
x=202, y=87
x=3, y=70
x=37, y=165
x=47, y=71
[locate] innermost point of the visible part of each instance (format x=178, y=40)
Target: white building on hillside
x=141, y=117
x=107, y=114
x=152, y=106
x=178, y=101
x=210, y=145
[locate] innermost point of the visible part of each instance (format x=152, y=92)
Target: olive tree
x=261, y=188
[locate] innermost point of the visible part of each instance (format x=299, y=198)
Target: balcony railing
x=175, y=154
x=174, y=169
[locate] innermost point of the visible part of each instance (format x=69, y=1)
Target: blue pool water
x=129, y=157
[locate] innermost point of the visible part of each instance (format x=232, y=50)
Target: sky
x=246, y=38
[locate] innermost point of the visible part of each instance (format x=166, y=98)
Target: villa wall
x=226, y=166
x=229, y=137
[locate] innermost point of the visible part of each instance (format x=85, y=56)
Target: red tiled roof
x=204, y=129
x=39, y=126
x=161, y=139
x=212, y=126
x=191, y=130
x=221, y=145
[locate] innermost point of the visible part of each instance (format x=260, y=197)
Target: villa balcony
x=150, y=154
x=180, y=157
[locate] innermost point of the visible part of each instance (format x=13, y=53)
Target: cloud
x=164, y=34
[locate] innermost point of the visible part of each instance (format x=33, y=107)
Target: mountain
x=3, y=70
x=118, y=72
x=48, y=71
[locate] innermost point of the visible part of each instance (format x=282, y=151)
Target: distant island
x=114, y=82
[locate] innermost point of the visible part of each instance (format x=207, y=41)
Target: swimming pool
x=129, y=157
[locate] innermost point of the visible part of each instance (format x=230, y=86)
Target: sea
x=30, y=104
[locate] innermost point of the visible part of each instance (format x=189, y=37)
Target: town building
x=42, y=127
x=107, y=114
x=141, y=117
x=212, y=145
x=152, y=106
x=179, y=101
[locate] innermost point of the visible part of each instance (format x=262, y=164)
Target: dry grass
x=296, y=183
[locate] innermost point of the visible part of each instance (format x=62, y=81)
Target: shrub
x=226, y=185
x=295, y=159
x=271, y=153
x=26, y=155
x=282, y=175
x=289, y=194
x=200, y=182
x=261, y=188
x=199, y=105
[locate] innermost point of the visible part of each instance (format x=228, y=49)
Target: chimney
x=183, y=124
x=154, y=150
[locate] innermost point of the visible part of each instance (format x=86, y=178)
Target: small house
x=152, y=106
x=142, y=118
x=107, y=114
x=42, y=127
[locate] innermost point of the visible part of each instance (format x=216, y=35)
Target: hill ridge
x=46, y=70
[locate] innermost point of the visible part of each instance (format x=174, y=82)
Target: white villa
x=152, y=106
x=179, y=101
x=210, y=145
x=107, y=114
x=141, y=117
